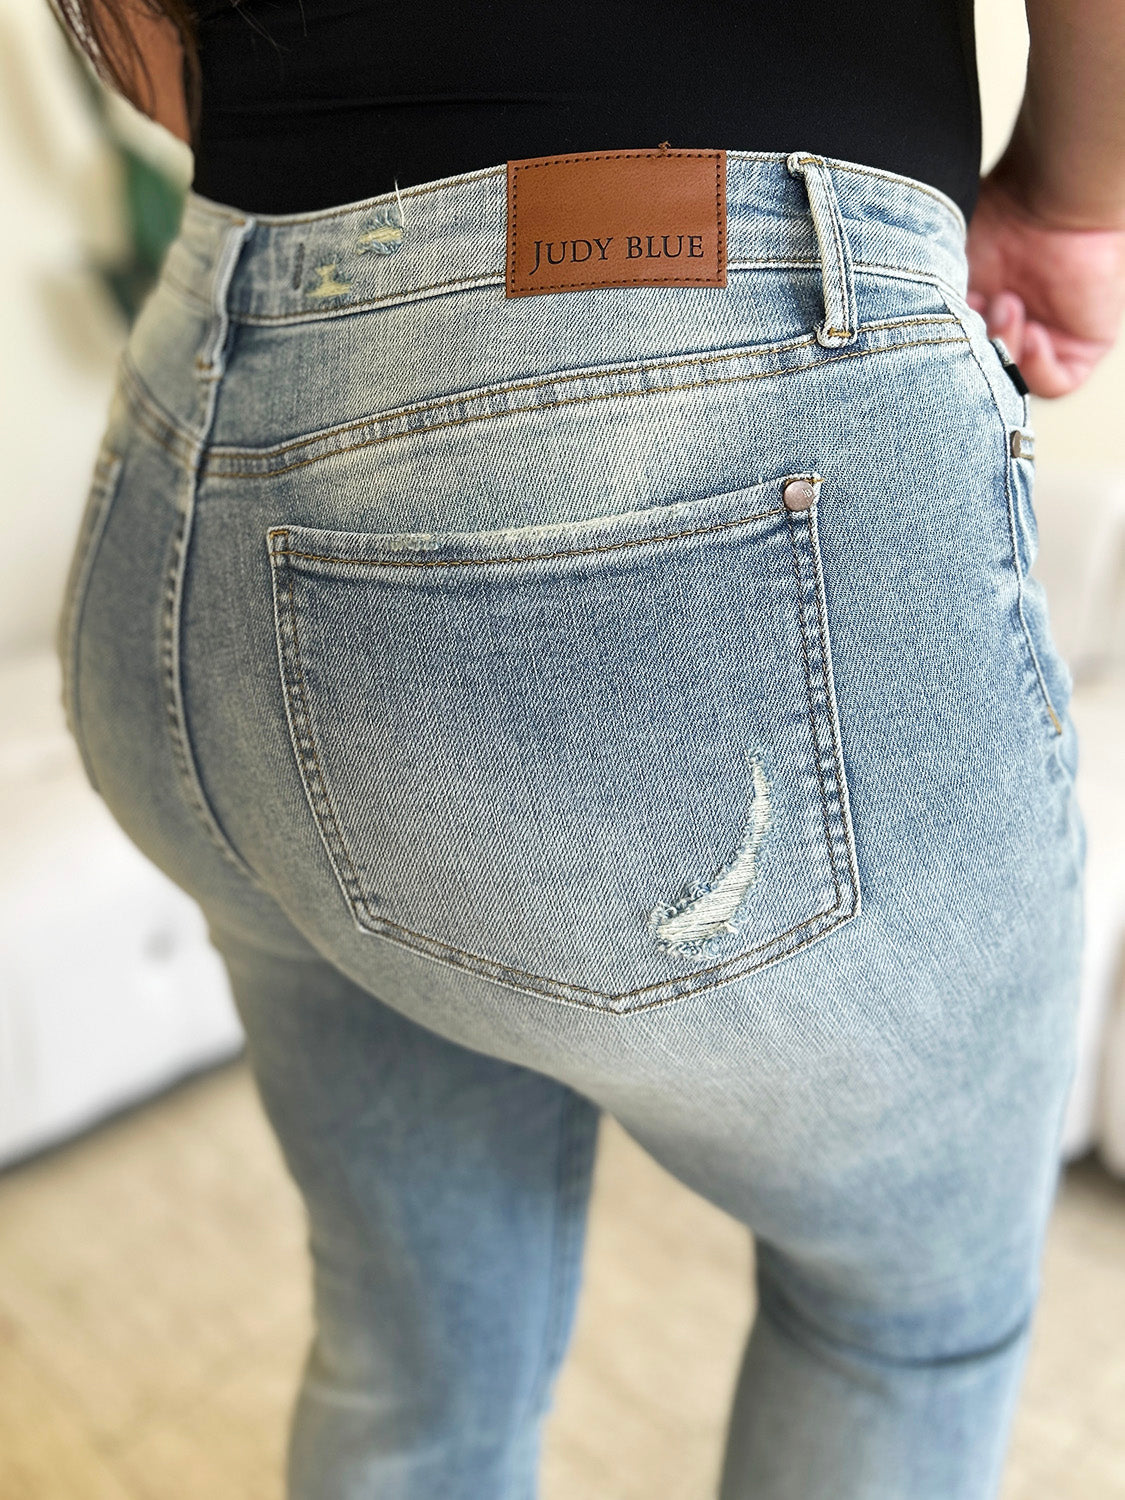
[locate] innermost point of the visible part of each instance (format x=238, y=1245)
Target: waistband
x=783, y=209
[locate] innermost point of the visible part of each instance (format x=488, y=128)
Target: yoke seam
x=565, y=377
x=219, y=472
x=180, y=441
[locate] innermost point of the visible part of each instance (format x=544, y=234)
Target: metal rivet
x=799, y=494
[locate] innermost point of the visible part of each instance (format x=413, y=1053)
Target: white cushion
x=109, y=988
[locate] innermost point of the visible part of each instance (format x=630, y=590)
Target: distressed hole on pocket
x=596, y=761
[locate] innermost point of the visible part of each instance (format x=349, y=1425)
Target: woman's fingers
x=1040, y=365
x=1029, y=343
x=1007, y=317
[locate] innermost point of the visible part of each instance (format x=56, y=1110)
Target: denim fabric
x=529, y=758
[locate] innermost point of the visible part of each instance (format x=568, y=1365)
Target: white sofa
x=109, y=989
x=1081, y=515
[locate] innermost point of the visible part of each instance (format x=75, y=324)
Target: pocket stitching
x=248, y=470
x=491, y=561
x=320, y=800
x=352, y=891
x=825, y=660
x=568, y=377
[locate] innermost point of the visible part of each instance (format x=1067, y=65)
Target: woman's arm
x=1067, y=151
x=1046, y=243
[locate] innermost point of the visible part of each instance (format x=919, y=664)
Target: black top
x=312, y=103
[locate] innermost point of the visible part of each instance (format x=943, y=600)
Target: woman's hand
x=1054, y=292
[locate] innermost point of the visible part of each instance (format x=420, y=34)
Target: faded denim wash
x=529, y=758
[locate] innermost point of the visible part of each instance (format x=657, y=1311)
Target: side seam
x=210, y=365
x=975, y=330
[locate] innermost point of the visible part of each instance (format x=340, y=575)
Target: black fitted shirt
x=312, y=103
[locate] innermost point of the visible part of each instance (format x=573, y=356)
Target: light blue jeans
x=530, y=757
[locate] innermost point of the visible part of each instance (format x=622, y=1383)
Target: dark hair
x=99, y=29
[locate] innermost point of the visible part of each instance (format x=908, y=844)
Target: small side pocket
x=68, y=627
x=596, y=761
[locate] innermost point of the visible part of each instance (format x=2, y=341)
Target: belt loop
x=840, y=320
x=211, y=358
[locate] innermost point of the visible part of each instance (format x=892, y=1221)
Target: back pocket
x=596, y=761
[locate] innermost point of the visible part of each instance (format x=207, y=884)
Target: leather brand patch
x=616, y=218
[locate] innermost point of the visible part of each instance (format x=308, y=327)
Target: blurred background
x=152, y=1277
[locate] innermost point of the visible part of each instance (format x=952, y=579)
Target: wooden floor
x=153, y=1314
